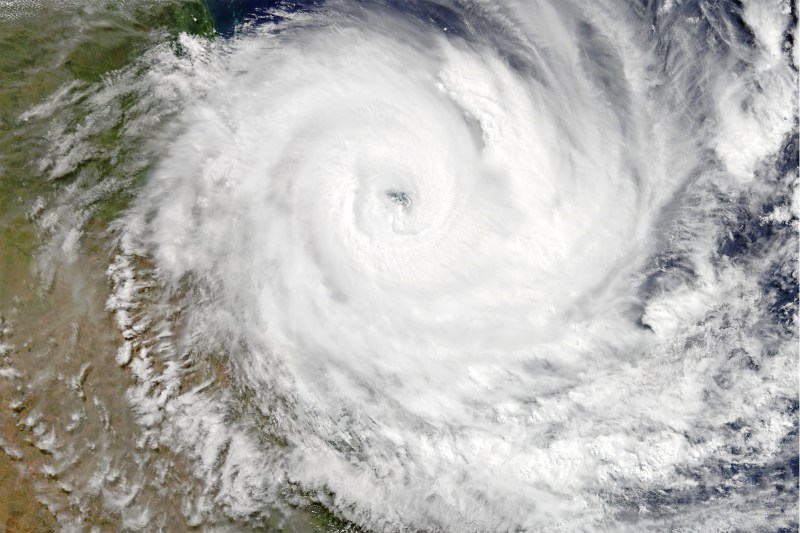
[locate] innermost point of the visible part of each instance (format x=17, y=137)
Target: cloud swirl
x=471, y=266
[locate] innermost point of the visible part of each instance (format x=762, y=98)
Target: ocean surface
x=399, y=266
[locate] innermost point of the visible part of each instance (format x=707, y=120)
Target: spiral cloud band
x=470, y=266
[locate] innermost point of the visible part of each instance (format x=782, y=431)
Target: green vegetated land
x=41, y=52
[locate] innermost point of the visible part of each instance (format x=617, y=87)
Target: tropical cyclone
x=474, y=276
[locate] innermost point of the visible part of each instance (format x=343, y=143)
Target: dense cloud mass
x=474, y=266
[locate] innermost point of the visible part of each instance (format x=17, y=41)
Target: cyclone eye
x=399, y=197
